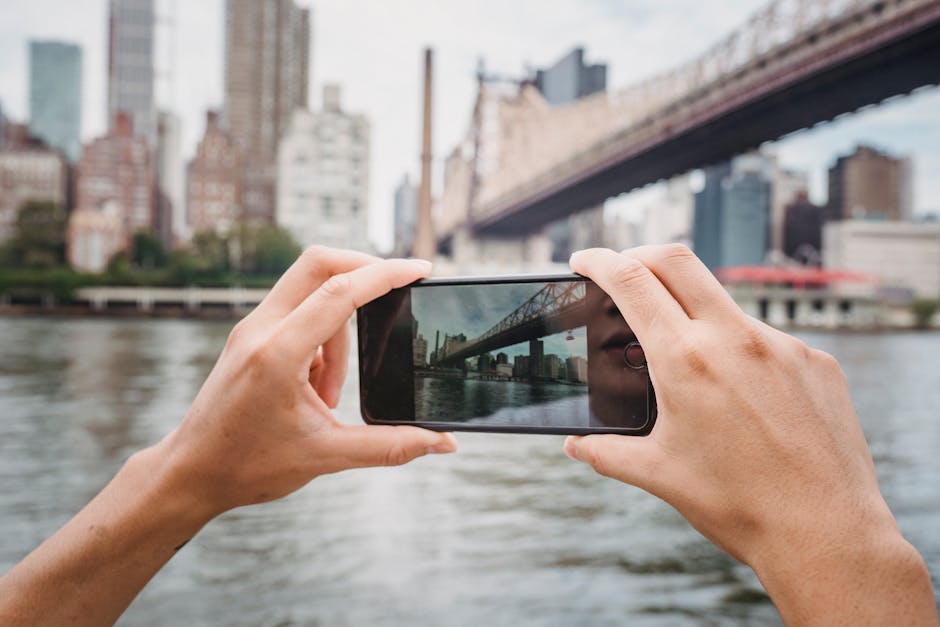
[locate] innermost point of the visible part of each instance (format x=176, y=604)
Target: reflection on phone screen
x=527, y=354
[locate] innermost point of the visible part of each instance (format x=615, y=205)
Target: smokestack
x=425, y=243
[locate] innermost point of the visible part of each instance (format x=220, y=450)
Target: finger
x=630, y=459
x=693, y=285
x=314, y=266
x=647, y=306
x=378, y=445
x=335, y=355
x=321, y=315
x=316, y=370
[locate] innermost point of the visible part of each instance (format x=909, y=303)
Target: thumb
x=381, y=445
x=630, y=459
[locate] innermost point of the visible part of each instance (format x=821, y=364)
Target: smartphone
x=522, y=354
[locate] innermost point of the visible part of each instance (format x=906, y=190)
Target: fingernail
x=574, y=257
x=571, y=449
x=446, y=445
x=423, y=264
x=440, y=449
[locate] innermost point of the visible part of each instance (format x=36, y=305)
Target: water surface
x=508, y=532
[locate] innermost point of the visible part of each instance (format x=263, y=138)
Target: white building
x=902, y=255
x=171, y=199
x=668, y=213
x=94, y=236
x=323, y=176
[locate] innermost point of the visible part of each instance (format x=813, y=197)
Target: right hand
x=756, y=444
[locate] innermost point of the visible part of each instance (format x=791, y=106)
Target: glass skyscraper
x=131, y=65
x=732, y=213
x=55, y=95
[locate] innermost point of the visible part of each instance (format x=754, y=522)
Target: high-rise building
x=323, y=176
x=171, y=195
x=117, y=171
x=745, y=224
x=29, y=170
x=536, y=357
x=903, y=255
x=419, y=351
x=213, y=181
x=732, y=213
x=406, y=207
x=131, y=30
x=706, y=223
x=267, y=52
x=551, y=366
x=870, y=184
x=788, y=186
x=569, y=79
x=802, y=231
x=576, y=369
x=267, y=48
x=55, y=95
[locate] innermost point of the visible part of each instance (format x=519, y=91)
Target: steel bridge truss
x=554, y=301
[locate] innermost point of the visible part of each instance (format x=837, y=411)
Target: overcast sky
x=454, y=309
x=373, y=48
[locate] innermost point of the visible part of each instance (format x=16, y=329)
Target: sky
x=453, y=309
x=373, y=48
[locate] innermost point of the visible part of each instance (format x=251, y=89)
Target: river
x=507, y=532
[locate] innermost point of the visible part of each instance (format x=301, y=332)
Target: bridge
x=796, y=63
x=554, y=308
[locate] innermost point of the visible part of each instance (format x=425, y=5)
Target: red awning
x=793, y=276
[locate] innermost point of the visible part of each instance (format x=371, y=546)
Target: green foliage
x=38, y=239
x=148, y=251
x=923, y=310
x=60, y=283
x=250, y=256
x=264, y=250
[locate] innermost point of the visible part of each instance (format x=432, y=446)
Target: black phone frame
x=456, y=426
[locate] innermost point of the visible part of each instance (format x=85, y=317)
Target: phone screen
x=546, y=354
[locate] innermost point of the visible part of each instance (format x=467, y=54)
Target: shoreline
x=123, y=312
x=227, y=312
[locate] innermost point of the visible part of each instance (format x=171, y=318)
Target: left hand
x=261, y=426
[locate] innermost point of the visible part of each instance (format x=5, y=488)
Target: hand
x=261, y=426
x=756, y=443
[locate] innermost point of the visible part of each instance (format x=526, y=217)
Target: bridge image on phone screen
x=546, y=354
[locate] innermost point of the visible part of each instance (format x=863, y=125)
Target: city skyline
x=386, y=86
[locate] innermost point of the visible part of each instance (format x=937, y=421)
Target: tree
x=212, y=251
x=923, y=310
x=147, y=250
x=38, y=239
x=265, y=250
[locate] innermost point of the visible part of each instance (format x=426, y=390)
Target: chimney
x=425, y=245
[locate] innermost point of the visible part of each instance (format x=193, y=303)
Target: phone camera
x=634, y=356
